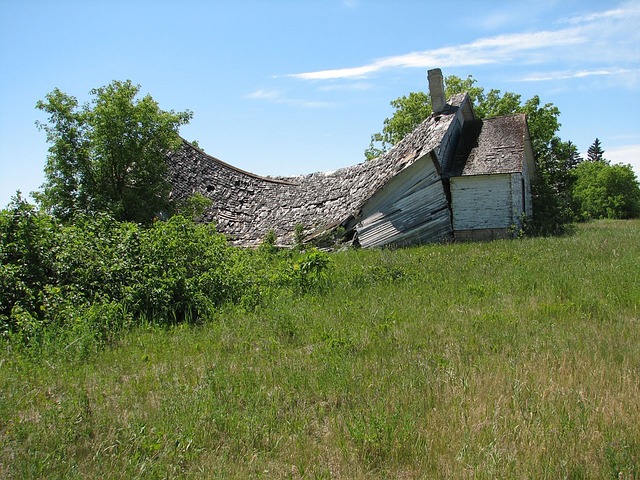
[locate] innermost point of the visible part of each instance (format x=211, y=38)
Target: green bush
x=95, y=277
x=602, y=190
x=27, y=248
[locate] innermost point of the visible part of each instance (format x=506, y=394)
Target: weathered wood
x=247, y=206
x=478, y=169
x=481, y=201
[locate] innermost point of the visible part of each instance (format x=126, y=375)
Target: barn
x=454, y=177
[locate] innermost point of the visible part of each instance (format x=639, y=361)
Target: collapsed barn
x=454, y=177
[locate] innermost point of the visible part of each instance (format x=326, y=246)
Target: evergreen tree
x=595, y=152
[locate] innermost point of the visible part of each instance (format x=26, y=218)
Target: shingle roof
x=247, y=206
x=498, y=147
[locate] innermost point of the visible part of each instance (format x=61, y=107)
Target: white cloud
x=482, y=51
x=590, y=17
x=278, y=96
x=263, y=94
x=627, y=154
x=610, y=38
x=568, y=74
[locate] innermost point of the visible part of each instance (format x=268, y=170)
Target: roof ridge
x=236, y=169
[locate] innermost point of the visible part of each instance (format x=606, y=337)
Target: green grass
x=510, y=359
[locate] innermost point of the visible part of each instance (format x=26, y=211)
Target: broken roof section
x=246, y=206
x=499, y=147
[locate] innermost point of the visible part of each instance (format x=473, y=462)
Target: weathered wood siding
x=412, y=208
x=482, y=201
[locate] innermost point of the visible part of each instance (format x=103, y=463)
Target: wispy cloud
x=263, y=94
x=279, y=96
x=618, y=12
x=482, y=51
x=568, y=74
x=595, y=33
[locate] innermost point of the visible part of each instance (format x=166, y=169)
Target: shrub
x=310, y=270
x=606, y=191
x=27, y=245
x=93, y=278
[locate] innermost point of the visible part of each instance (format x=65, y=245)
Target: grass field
x=510, y=359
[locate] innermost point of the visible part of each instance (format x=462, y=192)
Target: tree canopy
x=108, y=155
x=602, y=190
x=412, y=109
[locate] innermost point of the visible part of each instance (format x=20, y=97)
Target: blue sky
x=287, y=87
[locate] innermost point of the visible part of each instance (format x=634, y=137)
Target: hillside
x=510, y=359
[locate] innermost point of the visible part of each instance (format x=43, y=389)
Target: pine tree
x=595, y=152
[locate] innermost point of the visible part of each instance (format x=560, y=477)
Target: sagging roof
x=247, y=206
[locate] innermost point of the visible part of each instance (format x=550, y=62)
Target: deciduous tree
x=109, y=154
x=603, y=190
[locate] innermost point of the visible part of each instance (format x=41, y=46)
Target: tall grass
x=510, y=359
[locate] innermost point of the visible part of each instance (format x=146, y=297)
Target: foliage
x=197, y=145
x=268, y=244
x=298, y=236
x=108, y=155
x=194, y=206
x=485, y=360
x=602, y=190
x=553, y=203
x=309, y=271
x=27, y=259
x=66, y=278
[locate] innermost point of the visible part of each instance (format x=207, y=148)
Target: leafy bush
x=26, y=262
x=602, y=190
x=310, y=270
x=95, y=277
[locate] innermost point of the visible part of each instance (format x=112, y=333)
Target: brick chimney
x=436, y=90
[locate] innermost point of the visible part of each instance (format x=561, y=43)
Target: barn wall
x=411, y=208
x=482, y=202
x=518, y=196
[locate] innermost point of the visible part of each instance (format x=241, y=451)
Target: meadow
x=508, y=359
